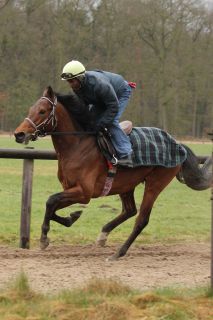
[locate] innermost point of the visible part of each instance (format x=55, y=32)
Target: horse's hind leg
x=155, y=183
x=128, y=210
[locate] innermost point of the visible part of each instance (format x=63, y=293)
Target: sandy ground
x=144, y=267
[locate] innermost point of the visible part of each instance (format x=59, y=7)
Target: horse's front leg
x=59, y=201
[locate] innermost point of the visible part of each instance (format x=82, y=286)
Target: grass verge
x=104, y=300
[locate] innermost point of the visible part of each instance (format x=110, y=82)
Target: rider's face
x=74, y=84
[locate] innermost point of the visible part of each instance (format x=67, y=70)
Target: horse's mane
x=77, y=109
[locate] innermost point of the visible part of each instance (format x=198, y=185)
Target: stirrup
x=114, y=160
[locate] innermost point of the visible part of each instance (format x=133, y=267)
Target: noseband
x=40, y=129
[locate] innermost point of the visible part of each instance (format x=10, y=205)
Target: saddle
x=126, y=126
x=105, y=143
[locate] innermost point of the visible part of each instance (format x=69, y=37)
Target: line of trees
x=165, y=46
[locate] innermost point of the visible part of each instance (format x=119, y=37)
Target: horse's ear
x=48, y=92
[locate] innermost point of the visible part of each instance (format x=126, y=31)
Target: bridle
x=40, y=130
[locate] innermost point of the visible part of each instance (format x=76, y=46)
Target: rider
x=107, y=94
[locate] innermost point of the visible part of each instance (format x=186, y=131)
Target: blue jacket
x=101, y=91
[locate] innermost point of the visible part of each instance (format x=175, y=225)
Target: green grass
x=179, y=213
x=104, y=300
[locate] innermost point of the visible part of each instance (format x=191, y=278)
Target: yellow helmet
x=72, y=70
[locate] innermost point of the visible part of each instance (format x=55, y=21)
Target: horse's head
x=41, y=118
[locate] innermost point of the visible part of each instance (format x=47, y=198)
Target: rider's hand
x=99, y=127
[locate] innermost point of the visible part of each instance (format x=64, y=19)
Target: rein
x=40, y=129
x=66, y=133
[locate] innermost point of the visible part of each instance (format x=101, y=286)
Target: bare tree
x=3, y=3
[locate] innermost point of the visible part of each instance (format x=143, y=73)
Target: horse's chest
x=67, y=175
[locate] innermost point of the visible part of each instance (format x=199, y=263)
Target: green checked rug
x=155, y=147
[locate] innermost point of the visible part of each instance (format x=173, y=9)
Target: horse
x=82, y=169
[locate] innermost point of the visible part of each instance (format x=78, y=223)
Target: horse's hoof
x=44, y=244
x=101, y=243
x=102, y=239
x=114, y=257
x=68, y=221
x=76, y=215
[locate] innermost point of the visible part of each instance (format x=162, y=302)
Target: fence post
x=212, y=219
x=26, y=203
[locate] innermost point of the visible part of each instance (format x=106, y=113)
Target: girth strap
x=109, y=179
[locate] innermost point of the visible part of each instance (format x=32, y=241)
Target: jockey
x=107, y=95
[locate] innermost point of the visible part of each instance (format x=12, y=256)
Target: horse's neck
x=65, y=121
x=64, y=143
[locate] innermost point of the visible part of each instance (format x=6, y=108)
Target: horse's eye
x=42, y=112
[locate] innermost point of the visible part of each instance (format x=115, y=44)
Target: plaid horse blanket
x=155, y=147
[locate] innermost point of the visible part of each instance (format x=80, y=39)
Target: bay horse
x=82, y=169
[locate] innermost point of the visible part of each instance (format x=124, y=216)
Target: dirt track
x=144, y=267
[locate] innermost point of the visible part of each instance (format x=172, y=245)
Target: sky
x=209, y=2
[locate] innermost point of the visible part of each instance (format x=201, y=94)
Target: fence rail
x=28, y=153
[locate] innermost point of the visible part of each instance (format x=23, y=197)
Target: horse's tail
x=193, y=174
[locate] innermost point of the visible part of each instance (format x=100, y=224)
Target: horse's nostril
x=20, y=137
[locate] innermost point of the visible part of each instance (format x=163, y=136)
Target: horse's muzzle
x=20, y=137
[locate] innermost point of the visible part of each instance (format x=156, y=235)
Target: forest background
x=165, y=46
